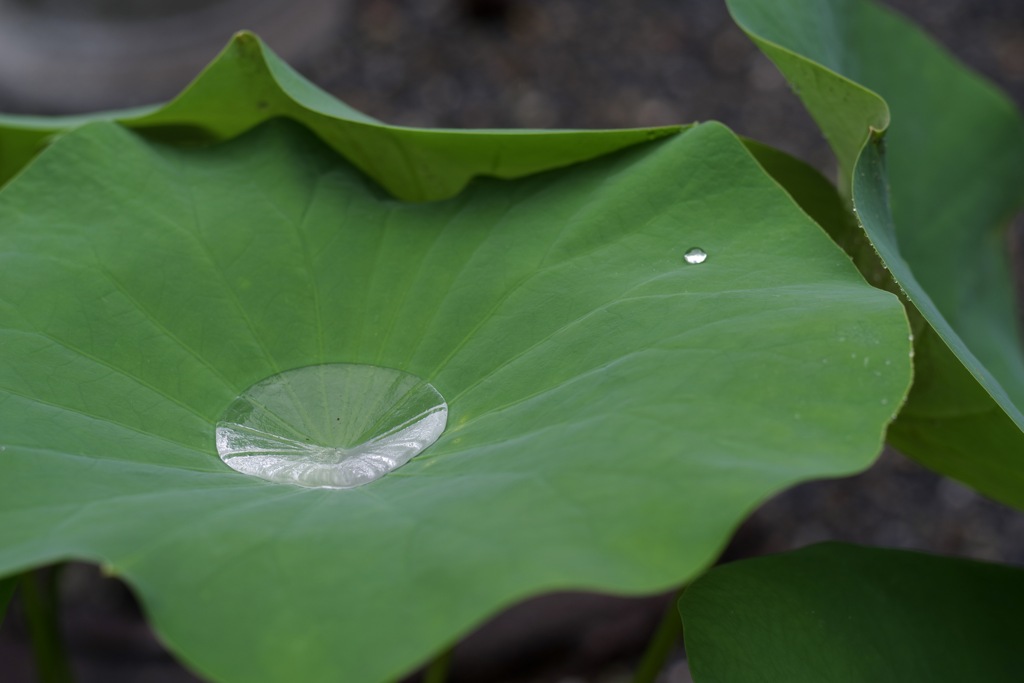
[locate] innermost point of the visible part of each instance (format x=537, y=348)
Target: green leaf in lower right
x=836, y=613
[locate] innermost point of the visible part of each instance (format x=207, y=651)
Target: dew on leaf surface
x=695, y=255
x=337, y=425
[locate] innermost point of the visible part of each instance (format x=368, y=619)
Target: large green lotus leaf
x=836, y=613
x=953, y=160
x=248, y=84
x=614, y=411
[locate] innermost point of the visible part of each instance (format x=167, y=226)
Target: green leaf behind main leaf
x=248, y=84
x=835, y=613
x=953, y=161
x=614, y=412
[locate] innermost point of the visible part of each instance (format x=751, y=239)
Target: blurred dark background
x=493, y=64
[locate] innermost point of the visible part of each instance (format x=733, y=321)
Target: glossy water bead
x=330, y=426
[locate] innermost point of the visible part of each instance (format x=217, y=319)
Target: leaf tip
x=245, y=37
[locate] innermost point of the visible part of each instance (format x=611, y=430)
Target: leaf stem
x=39, y=596
x=665, y=637
x=7, y=587
x=437, y=670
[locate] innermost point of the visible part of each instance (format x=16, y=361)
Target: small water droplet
x=695, y=255
x=330, y=426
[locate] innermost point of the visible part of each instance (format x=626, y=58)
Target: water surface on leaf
x=695, y=256
x=330, y=426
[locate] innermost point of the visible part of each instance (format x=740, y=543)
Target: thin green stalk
x=664, y=640
x=437, y=671
x=7, y=587
x=39, y=596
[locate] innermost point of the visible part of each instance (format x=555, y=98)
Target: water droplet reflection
x=695, y=255
x=330, y=426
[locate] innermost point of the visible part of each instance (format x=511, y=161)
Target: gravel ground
x=584, y=64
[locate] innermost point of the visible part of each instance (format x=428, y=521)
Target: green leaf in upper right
x=935, y=191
